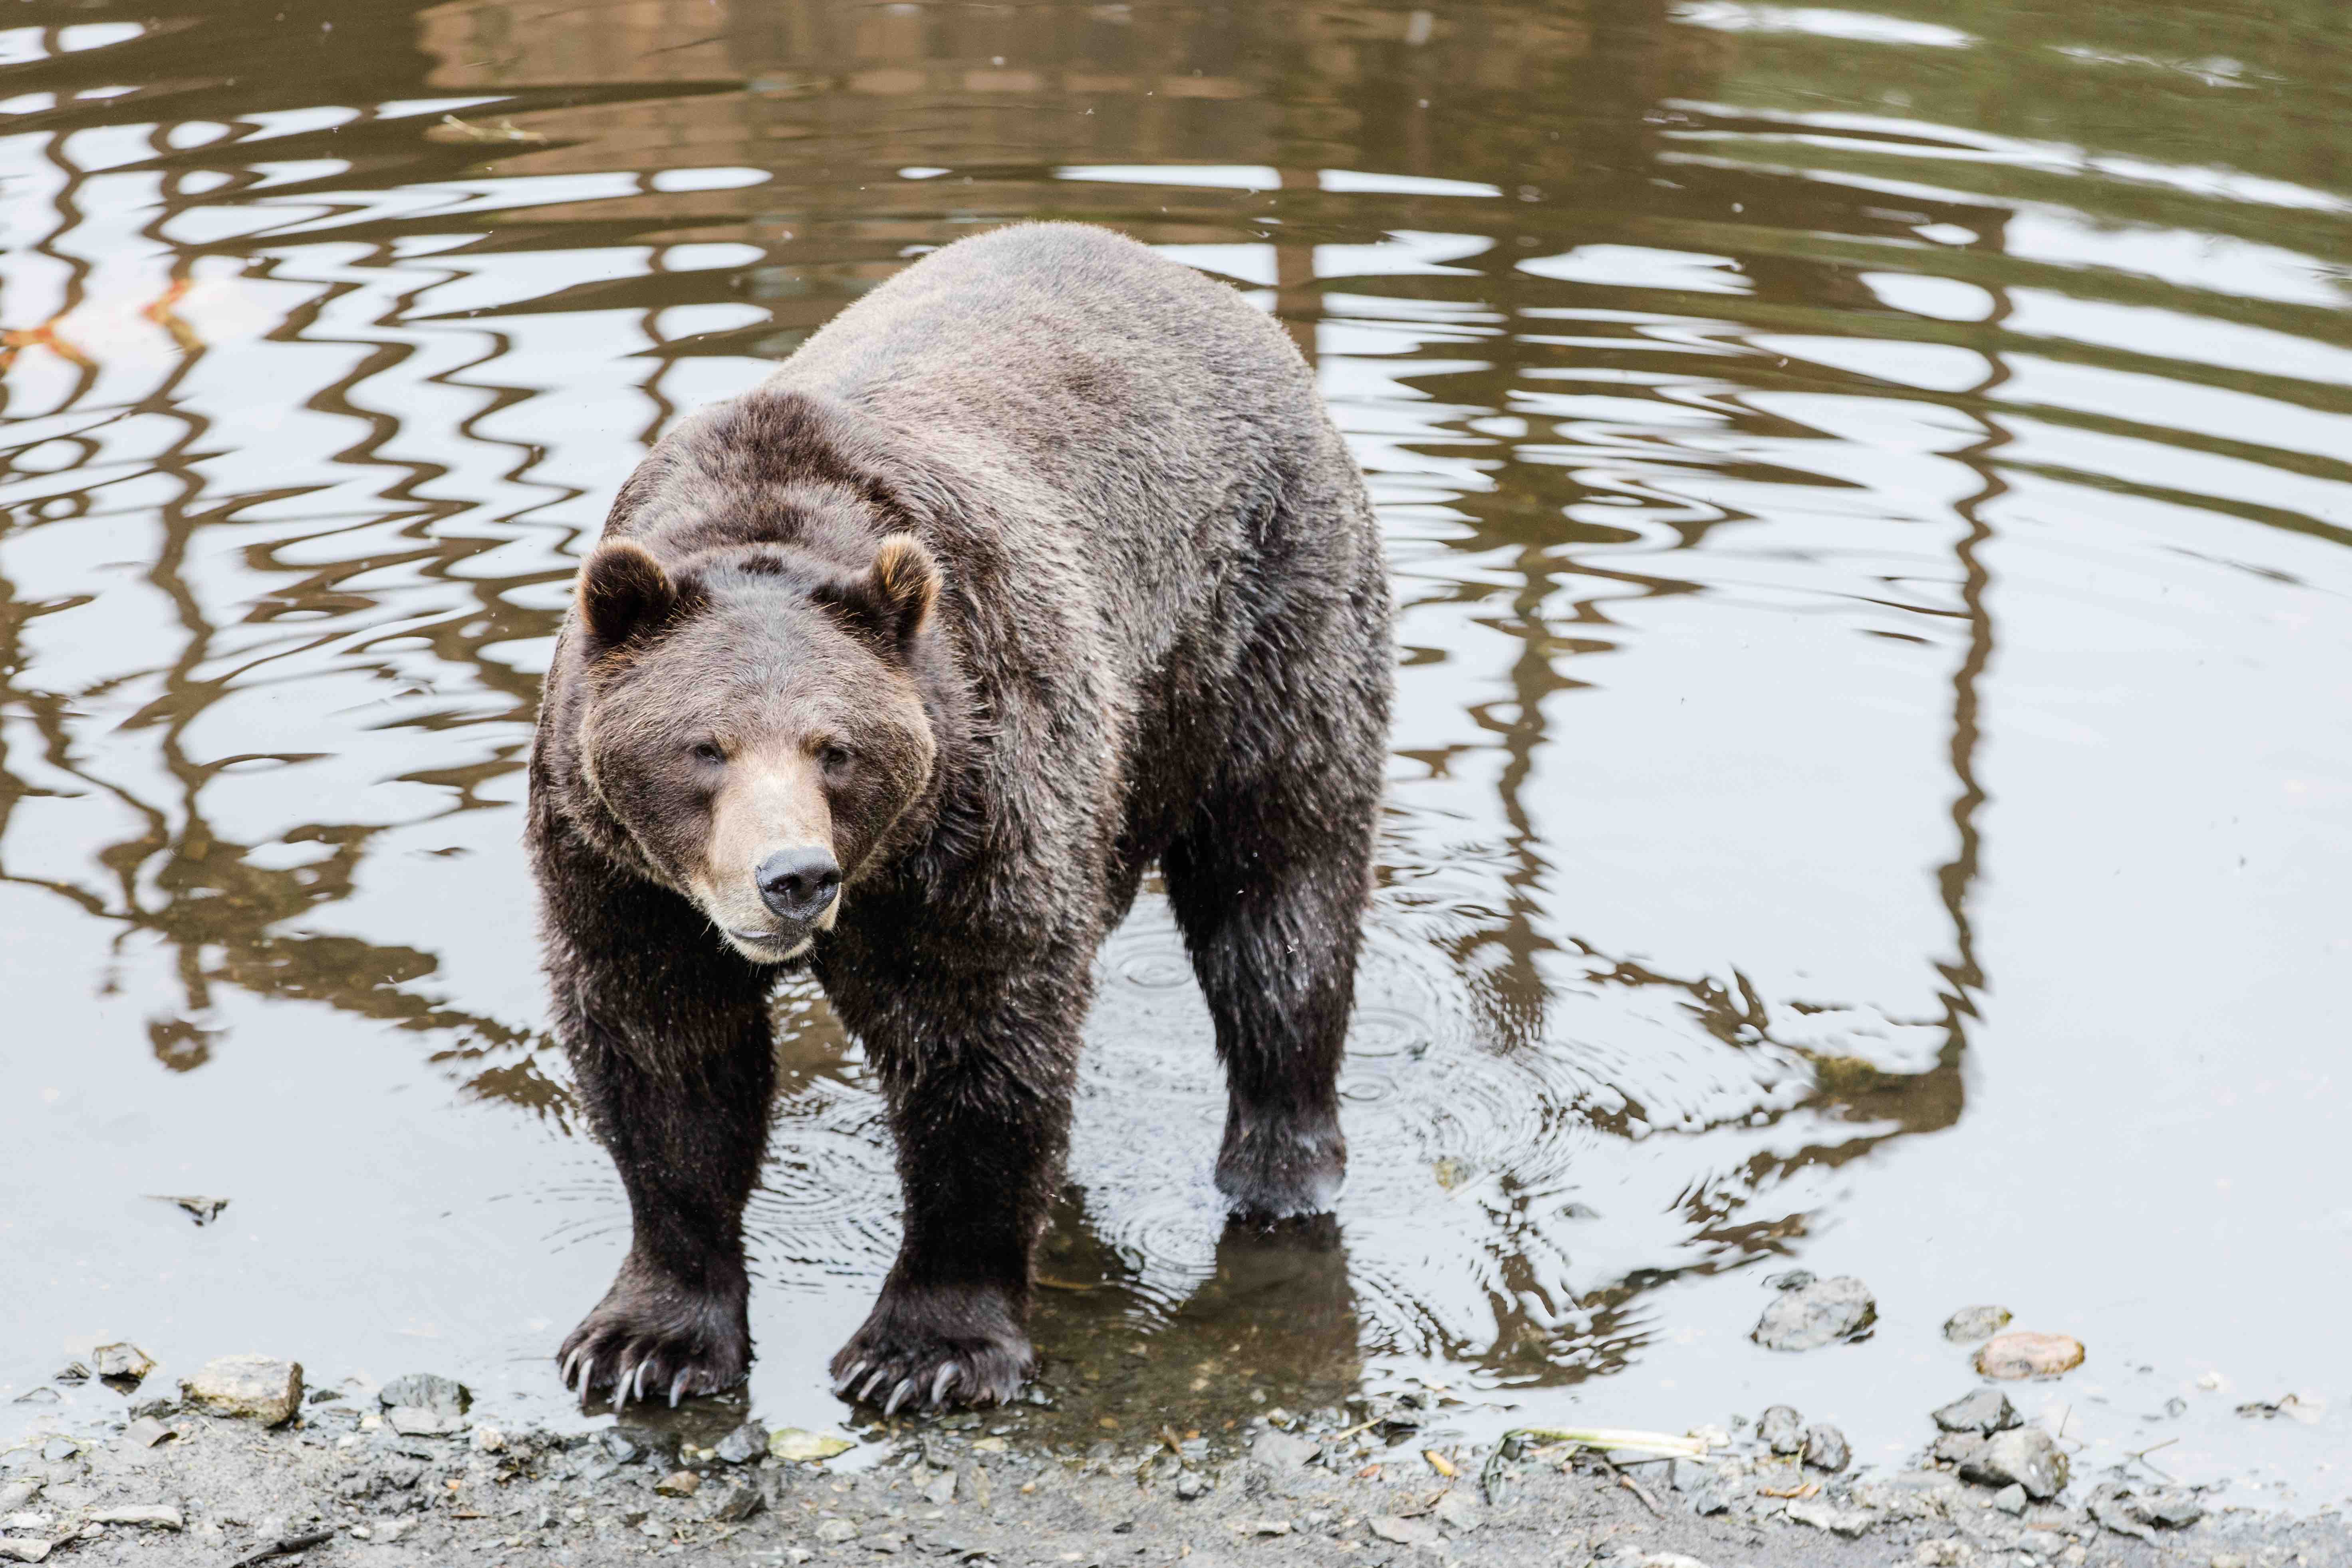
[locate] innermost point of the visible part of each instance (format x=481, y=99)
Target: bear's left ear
x=901, y=587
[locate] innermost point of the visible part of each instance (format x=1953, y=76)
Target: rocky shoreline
x=400, y=1477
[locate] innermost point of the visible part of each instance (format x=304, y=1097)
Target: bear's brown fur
x=1039, y=565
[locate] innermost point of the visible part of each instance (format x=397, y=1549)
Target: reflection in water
x=1710, y=368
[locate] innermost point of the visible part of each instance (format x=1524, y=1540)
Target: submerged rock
x=1822, y=1313
x=2026, y=1457
x=792, y=1443
x=122, y=1363
x=1970, y=1324
x=249, y=1387
x=1782, y=1429
x=1826, y=1449
x=744, y=1444
x=1987, y=1410
x=423, y=1404
x=2020, y=1355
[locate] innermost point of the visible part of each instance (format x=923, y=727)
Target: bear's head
x=755, y=722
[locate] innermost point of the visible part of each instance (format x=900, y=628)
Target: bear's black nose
x=799, y=883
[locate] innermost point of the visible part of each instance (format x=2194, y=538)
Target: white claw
x=620, y=1386
x=940, y=1383
x=643, y=1368
x=677, y=1387
x=879, y=1373
x=564, y=1374
x=848, y=1377
x=587, y=1373
x=898, y=1395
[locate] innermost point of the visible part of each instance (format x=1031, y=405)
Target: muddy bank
x=352, y=1480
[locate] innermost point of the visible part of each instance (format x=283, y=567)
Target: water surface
x=1872, y=786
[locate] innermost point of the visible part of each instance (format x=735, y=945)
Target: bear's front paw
x=650, y=1337
x=937, y=1347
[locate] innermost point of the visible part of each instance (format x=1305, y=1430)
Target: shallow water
x=1872, y=783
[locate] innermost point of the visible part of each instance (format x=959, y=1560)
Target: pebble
x=2025, y=1455
x=487, y=1440
x=1985, y=1410
x=1459, y=1510
x=1281, y=1451
x=1825, y=1448
x=125, y=1361
x=2011, y=1499
x=744, y=1444
x=16, y=1494
x=1970, y=1324
x=17, y=1548
x=1810, y=1316
x=1191, y=1484
x=678, y=1483
x=1849, y=1522
x=426, y=1391
x=1947, y=1553
x=153, y=1515
x=940, y=1490
x=1401, y=1532
x=1782, y=1429
x=835, y=1529
x=147, y=1432
x=251, y=1387
x=2013, y=1356
x=735, y=1504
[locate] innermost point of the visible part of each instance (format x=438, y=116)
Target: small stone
x=2012, y=1356
x=940, y=1490
x=487, y=1440
x=1957, y=1447
x=744, y=1444
x=2025, y=1455
x=1459, y=1510
x=1849, y=1522
x=153, y=1515
x=2231, y=1560
x=413, y=1421
x=1281, y=1451
x=41, y=1395
x=29, y=1520
x=249, y=1387
x=1949, y=1553
x=792, y=1443
x=426, y=1391
x=16, y=1494
x=202, y=1210
x=1269, y=1526
x=835, y=1529
x=17, y=1548
x=1401, y=1532
x=122, y=1363
x=735, y=1503
x=1825, y=1448
x=1818, y=1314
x=1191, y=1484
x=1987, y=1410
x=147, y=1432
x=1782, y=1429
x=1970, y=1324
x=2173, y=1508
x=2010, y=1499
x=155, y=1409
x=397, y=1529
x=58, y=1448
x=1791, y=1280
x=678, y=1483
x=622, y=1448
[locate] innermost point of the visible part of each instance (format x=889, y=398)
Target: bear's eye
x=708, y=752
x=834, y=758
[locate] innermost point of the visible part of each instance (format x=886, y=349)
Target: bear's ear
x=901, y=587
x=624, y=594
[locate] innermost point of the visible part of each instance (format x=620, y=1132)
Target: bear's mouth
x=769, y=947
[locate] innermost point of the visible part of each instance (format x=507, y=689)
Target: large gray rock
x=1280, y=1451
x=1810, y=1316
x=2025, y=1457
x=248, y=1387
x=423, y=1404
x=1826, y=1449
x=1782, y=1429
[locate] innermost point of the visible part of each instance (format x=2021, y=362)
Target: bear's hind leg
x=1270, y=884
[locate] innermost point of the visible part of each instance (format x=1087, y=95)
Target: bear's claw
x=968, y=1352
x=691, y=1345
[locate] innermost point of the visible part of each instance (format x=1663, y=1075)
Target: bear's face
x=755, y=724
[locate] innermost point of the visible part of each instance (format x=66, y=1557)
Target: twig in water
x=2142, y=1456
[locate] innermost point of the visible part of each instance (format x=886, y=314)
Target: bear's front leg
x=672, y=1052
x=980, y=1107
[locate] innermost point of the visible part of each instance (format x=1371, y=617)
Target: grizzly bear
x=1041, y=564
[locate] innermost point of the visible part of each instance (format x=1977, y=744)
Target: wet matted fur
x=1041, y=563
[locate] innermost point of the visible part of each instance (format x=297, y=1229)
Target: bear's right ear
x=624, y=594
